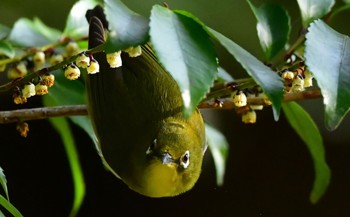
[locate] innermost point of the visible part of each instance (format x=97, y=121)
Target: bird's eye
x=185, y=160
x=151, y=147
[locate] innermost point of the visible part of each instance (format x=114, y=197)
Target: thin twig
x=73, y=110
x=19, y=115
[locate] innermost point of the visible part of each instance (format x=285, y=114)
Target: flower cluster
x=296, y=80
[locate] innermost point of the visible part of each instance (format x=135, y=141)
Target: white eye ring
x=185, y=159
x=151, y=147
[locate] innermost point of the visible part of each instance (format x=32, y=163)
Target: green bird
x=136, y=111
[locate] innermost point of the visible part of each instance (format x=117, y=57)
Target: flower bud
x=39, y=59
x=72, y=48
x=72, y=72
x=18, y=98
x=55, y=59
x=308, y=78
x=83, y=61
x=23, y=129
x=48, y=80
x=28, y=90
x=297, y=85
x=240, y=99
x=94, y=67
x=249, y=117
x=41, y=89
x=134, y=51
x=18, y=72
x=114, y=59
x=288, y=75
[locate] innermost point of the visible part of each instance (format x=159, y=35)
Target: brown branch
x=41, y=113
x=61, y=111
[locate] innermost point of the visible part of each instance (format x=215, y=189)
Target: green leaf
x=66, y=92
x=4, y=31
x=76, y=24
x=3, y=182
x=273, y=27
x=184, y=48
x=314, y=9
x=9, y=207
x=126, y=27
x=6, y=49
x=269, y=81
x=327, y=55
x=34, y=33
x=218, y=146
x=224, y=76
x=305, y=127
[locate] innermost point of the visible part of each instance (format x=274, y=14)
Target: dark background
x=269, y=171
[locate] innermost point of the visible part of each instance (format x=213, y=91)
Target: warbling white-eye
x=136, y=110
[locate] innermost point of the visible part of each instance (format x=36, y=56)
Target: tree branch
x=41, y=113
x=73, y=110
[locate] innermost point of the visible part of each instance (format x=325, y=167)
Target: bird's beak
x=166, y=158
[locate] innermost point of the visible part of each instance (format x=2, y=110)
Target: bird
x=137, y=114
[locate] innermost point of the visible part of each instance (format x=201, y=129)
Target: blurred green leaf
x=327, y=55
x=9, y=207
x=126, y=27
x=62, y=127
x=305, y=127
x=34, y=33
x=6, y=49
x=4, y=31
x=2, y=214
x=218, y=146
x=76, y=24
x=314, y=9
x=273, y=27
x=3, y=182
x=66, y=92
x=184, y=48
x=269, y=81
x=223, y=75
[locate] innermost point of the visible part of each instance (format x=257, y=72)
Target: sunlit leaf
x=6, y=49
x=76, y=24
x=184, y=48
x=305, y=127
x=218, y=146
x=3, y=182
x=127, y=28
x=269, y=81
x=313, y=9
x=28, y=33
x=273, y=27
x=327, y=55
x=9, y=207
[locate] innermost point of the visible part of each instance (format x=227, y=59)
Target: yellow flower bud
x=114, y=59
x=83, y=61
x=308, y=78
x=134, y=51
x=249, y=117
x=48, y=80
x=17, y=72
x=19, y=99
x=55, y=59
x=39, y=59
x=28, y=90
x=288, y=75
x=41, y=89
x=72, y=48
x=256, y=107
x=297, y=85
x=23, y=129
x=72, y=72
x=94, y=67
x=240, y=99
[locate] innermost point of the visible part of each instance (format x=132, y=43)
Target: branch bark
x=73, y=110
